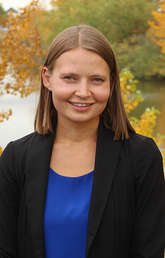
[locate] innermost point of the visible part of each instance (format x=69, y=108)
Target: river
x=153, y=93
x=21, y=121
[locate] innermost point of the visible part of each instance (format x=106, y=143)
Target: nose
x=83, y=90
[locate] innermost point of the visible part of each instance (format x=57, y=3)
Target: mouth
x=81, y=104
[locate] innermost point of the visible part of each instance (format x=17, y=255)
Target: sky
x=21, y=3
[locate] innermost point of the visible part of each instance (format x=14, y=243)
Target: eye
x=98, y=79
x=69, y=77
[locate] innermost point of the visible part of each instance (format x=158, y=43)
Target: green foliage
x=123, y=22
x=125, y=17
x=3, y=15
x=69, y=13
x=116, y=19
x=2, y=11
x=141, y=55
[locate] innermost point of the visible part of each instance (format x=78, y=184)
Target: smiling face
x=80, y=85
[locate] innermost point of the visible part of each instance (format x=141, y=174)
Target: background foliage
x=123, y=22
x=20, y=56
x=135, y=30
x=158, y=26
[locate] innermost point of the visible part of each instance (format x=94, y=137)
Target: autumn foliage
x=132, y=98
x=5, y=115
x=21, y=55
x=158, y=26
x=21, y=58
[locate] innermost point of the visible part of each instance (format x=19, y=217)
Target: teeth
x=80, y=105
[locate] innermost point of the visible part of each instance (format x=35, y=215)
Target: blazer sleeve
x=9, y=203
x=148, y=235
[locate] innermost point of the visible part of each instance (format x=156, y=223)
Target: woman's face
x=80, y=85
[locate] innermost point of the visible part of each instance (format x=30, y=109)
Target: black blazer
x=127, y=209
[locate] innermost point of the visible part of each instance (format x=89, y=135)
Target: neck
x=72, y=132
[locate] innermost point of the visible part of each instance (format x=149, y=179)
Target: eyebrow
x=75, y=74
x=68, y=73
x=99, y=75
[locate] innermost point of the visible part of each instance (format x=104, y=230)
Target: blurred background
x=136, y=31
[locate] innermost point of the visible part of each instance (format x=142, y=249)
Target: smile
x=80, y=104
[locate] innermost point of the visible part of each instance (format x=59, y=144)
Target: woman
x=84, y=184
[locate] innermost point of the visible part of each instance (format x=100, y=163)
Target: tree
x=117, y=20
x=3, y=15
x=158, y=26
x=20, y=56
x=21, y=52
x=145, y=125
x=123, y=22
x=141, y=55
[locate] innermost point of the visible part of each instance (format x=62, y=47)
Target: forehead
x=80, y=59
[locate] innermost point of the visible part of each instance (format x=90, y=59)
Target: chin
x=85, y=120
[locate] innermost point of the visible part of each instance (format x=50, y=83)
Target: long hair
x=89, y=38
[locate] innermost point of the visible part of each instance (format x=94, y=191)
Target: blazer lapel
x=37, y=170
x=107, y=155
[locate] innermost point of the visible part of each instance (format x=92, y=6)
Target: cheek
x=102, y=95
x=60, y=93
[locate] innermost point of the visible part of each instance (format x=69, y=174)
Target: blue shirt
x=66, y=215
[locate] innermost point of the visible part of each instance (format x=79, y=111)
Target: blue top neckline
x=71, y=176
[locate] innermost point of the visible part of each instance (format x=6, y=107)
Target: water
x=21, y=122
x=153, y=93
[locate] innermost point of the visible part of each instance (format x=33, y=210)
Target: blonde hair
x=89, y=38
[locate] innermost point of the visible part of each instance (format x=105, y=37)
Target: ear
x=46, y=78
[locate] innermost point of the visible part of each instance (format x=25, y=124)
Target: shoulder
x=144, y=155
x=137, y=143
x=19, y=144
x=135, y=146
x=17, y=150
x=17, y=154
